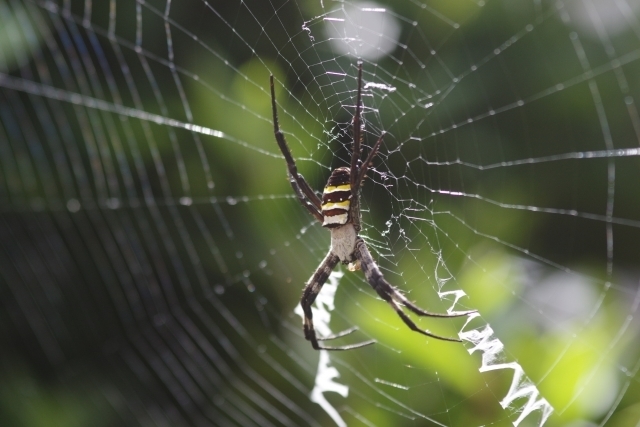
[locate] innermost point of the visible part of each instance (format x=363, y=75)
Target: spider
x=339, y=211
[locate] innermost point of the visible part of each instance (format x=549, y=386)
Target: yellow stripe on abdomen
x=334, y=188
x=337, y=205
x=336, y=199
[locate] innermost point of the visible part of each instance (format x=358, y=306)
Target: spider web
x=153, y=254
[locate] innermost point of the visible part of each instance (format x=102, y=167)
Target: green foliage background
x=58, y=274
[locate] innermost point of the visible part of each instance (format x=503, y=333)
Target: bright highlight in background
x=364, y=30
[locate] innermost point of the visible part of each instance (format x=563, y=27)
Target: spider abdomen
x=343, y=242
x=336, y=198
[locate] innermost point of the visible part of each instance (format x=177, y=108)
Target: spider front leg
x=357, y=131
x=388, y=293
x=358, y=173
x=309, y=294
x=307, y=197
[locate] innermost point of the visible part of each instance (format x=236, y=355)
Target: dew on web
x=154, y=252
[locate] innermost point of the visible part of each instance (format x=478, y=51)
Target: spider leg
x=357, y=129
x=358, y=175
x=304, y=201
x=420, y=312
x=367, y=162
x=388, y=293
x=339, y=334
x=309, y=294
x=312, y=203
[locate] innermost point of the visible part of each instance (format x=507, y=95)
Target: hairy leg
x=389, y=293
x=312, y=202
x=309, y=294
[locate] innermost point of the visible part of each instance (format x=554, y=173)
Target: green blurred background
x=149, y=271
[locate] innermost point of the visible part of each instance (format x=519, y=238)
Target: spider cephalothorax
x=339, y=211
